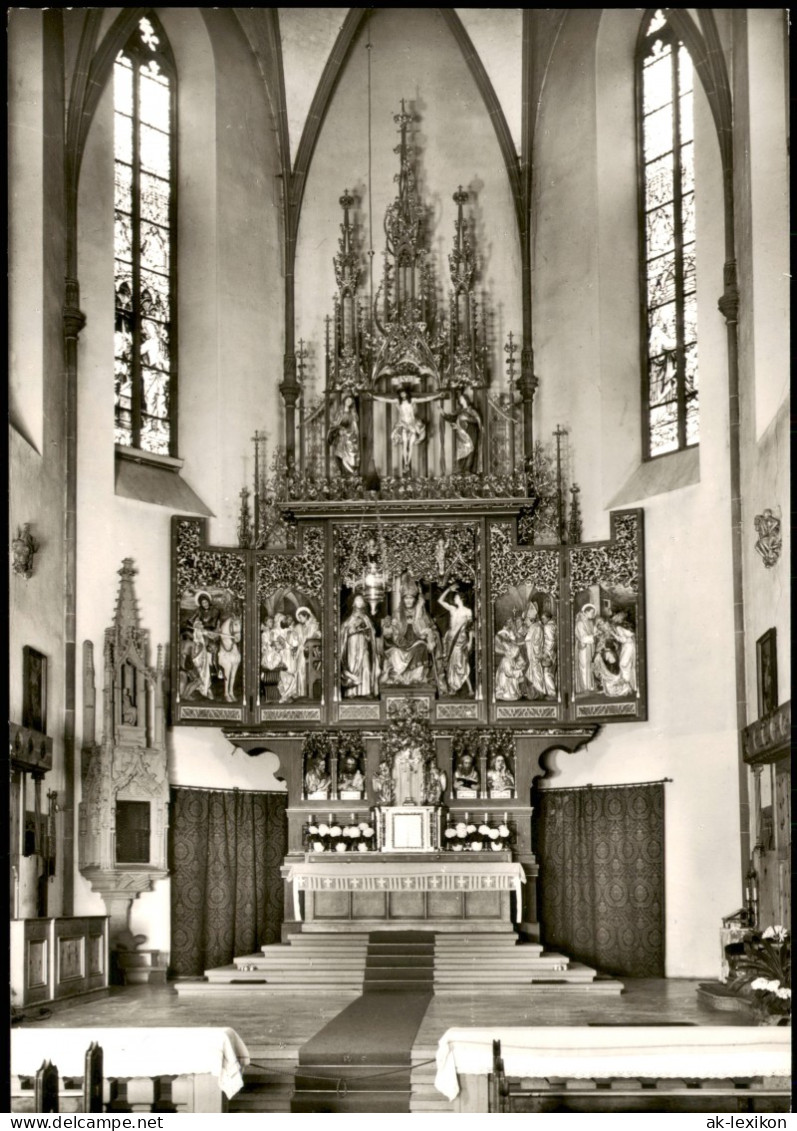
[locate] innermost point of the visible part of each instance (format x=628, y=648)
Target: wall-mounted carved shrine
x=409, y=540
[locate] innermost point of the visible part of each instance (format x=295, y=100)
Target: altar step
x=459, y=964
x=400, y=963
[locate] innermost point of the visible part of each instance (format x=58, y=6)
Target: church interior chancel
x=399, y=653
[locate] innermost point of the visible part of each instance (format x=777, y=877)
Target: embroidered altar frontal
x=351, y=895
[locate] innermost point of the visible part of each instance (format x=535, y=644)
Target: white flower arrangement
x=464, y=836
x=340, y=838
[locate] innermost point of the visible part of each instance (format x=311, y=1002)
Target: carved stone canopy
x=128, y=766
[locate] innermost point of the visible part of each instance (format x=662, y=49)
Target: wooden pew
x=515, y=1096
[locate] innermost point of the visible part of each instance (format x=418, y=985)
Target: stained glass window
x=144, y=146
x=667, y=192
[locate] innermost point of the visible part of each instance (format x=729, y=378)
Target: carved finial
x=510, y=349
x=244, y=521
x=574, y=533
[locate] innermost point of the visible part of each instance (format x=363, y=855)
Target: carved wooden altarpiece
x=406, y=548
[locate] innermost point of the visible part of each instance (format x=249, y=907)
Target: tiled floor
x=274, y=1021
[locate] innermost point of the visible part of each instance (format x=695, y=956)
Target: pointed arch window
x=144, y=242
x=668, y=263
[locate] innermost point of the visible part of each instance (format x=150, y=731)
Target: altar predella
x=409, y=562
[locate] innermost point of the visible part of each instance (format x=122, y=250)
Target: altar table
x=370, y=887
x=578, y=1053
x=129, y=1053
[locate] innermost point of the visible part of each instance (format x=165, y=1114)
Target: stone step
x=300, y=987
x=485, y=927
x=297, y=961
x=362, y=1078
x=267, y=1088
x=315, y=943
x=302, y=978
x=400, y=973
x=405, y=986
x=401, y=961
x=535, y=961
x=607, y=987
x=368, y=1102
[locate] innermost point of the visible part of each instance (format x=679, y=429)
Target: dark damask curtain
x=601, y=854
x=227, y=893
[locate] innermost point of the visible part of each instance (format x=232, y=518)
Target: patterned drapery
x=601, y=853
x=226, y=849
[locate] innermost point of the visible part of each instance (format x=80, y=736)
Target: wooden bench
x=513, y=1095
x=622, y=1068
x=125, y=1070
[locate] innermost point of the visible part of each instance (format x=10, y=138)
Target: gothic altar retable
x=410, y=619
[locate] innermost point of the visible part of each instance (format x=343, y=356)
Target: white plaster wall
x=762, y=195
x=587, y=355
x=761, y=185
x=35, y=340
x=413, y=56
x=229, y=315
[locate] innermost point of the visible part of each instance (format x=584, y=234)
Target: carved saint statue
x=550, y=654
x=413, y=651
x=512, y=665
x=466, y=425
x=410, y=780
x=458, y=640
x=607, y=675
x=316, y=778
x=129, y=712
x=625, y=639
x=344, y=437
x=500, y=778
x=204, y=629
x=584, y=630
x=466, y=773
x=350, y=776
x=359, y=661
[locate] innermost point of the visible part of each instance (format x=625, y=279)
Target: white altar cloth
x=579, y=1052
x=357, y=873
x=135, y=1052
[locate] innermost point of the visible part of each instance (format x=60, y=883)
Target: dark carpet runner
x=361, y=1061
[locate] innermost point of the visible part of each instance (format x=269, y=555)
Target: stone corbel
x=30, y=750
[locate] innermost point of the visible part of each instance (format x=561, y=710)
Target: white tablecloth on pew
x=135, y=1052
x=579, y=1052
